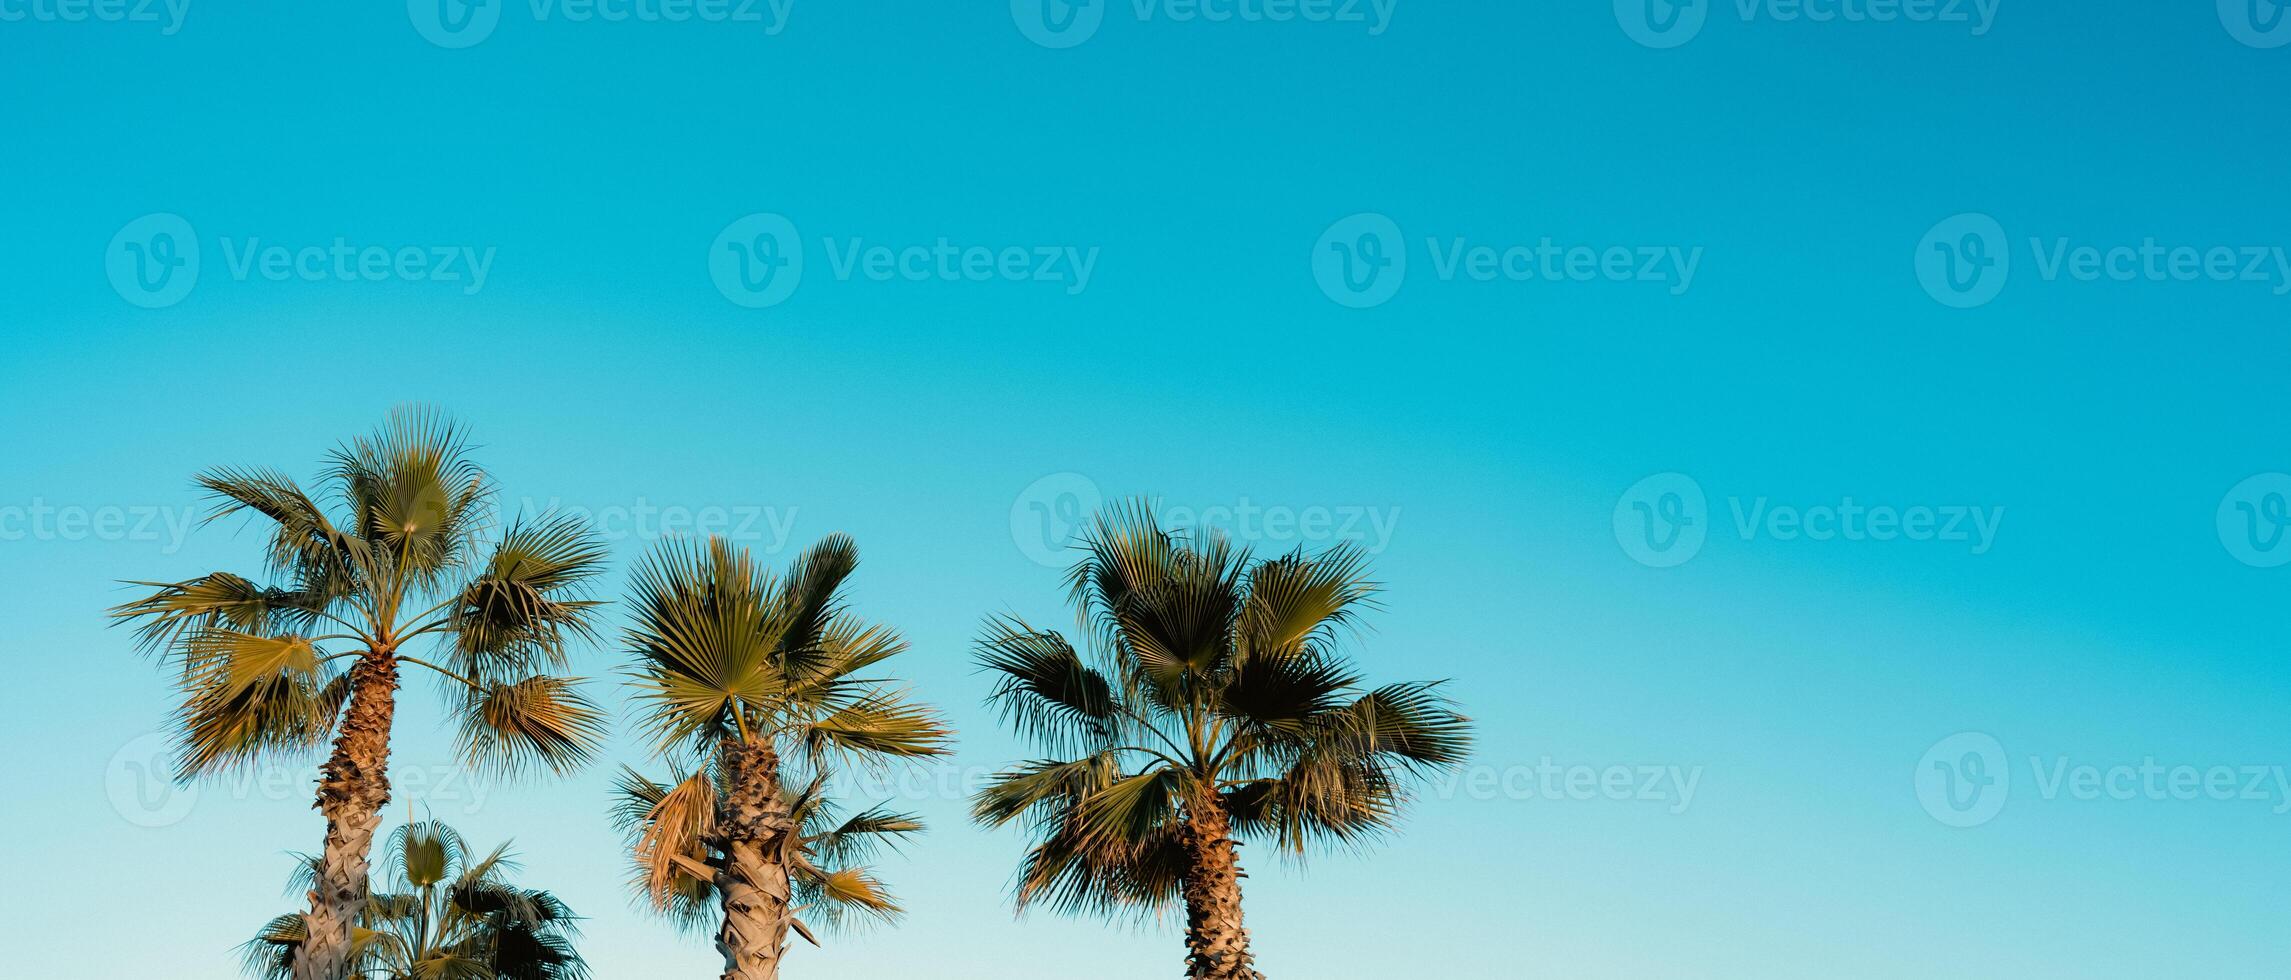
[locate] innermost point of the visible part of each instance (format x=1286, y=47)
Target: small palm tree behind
x=752, y=686
x=399, y=564
x=444, y=916
x=1214, y=708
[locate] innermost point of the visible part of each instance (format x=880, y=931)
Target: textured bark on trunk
x=353, y=788
x=1217, y=947
x=752, y=822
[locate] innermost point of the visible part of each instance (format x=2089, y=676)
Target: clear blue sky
x=1206, y=168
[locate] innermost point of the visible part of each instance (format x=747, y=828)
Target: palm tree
x=446, y=917
x=750, y=685
x=672, y=834
x=396, y=566
x=1215, y=707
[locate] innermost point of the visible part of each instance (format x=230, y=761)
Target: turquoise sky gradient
x=1494, y=428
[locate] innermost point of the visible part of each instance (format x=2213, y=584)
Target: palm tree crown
x=399, y=560
x=1214, y=705
x=446, y=916
x=752, y=685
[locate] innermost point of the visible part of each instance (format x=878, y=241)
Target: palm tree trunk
x=753, y=822
x=353, y=788
x=1217, y=947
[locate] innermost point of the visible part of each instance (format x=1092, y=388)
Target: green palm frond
x=304, y=542
x=879, y=724
x=217, y=600
x=1043, y=790
x=703, y=635
x=1044, y=690
x=246, y=698
x=517, y=615
x=540, y=721
x=414, y=493
x=842, y=898
x=857, y=838
x=1297, y=600
x=812, y=591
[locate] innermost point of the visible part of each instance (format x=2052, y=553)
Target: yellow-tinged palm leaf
x=669, y=828
x=880, y=724
x=541, y=720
